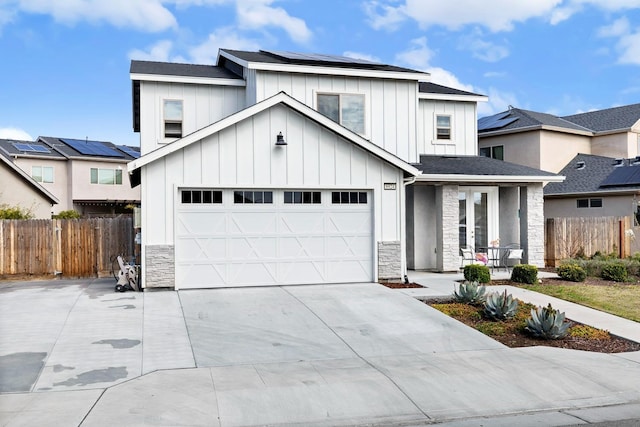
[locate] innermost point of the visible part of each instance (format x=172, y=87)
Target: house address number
x=389, y=185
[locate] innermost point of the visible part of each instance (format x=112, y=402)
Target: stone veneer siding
x=389, y=260
x=448, y=208
x=159, y=266
x=532, y=217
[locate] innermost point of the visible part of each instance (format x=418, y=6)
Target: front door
x=478, y=225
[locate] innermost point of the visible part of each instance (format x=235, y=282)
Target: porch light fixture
x=280, y=140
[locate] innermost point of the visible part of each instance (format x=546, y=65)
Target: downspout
x=403, y=226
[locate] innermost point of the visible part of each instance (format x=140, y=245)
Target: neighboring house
x=283, y=168
x=83, y=175
x=595, y=186
x=548, y=142
x=21, y=190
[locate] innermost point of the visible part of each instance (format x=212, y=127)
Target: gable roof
x=479, y=169
x=610, y=119
x=13, y=148
x=279, y=98
x=428, y=90
x=589, y=174
x=591, y=123
x=30, y=181
x=315, y=64
x=516, y=119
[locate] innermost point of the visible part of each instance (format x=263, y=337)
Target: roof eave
x=533, y=128
x=453, y=97
x=488, y=178
x=168, y=78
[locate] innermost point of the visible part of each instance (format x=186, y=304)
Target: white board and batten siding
x=202, y=106
x=463, y=132
x=390, y=105
x=244, y=156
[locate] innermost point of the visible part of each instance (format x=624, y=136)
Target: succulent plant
x=547, y=323
x=470, y=293
x=500, y=306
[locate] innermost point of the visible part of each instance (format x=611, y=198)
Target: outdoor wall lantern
x=280, y=140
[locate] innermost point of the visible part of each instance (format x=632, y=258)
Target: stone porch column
x=448, y=211
x=532, y=224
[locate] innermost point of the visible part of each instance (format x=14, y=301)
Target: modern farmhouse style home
x=273, y=168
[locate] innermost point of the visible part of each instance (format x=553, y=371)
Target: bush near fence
x=67, y=247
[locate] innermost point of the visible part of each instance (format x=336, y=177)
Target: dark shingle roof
x=529, y=119
x=9, y=149
x=474, y=165
x=186, y=70
x=273, y=58
x=66, y=150
x=587, y=179
x=609, y=119
x=428, y=87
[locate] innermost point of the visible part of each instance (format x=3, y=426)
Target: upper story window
x=42, y=173
x=496, y=152
x=346, y=109
x=106, y=176
x=443, y=127
x=172, y=115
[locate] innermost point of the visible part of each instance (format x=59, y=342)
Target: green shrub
x=477, y=273
x=470, y=293
x=571, y=272
x=69, y=214
x=14, y=212
x=525, y=273
x=615, y=271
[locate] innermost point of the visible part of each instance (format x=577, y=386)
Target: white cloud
x=145, y=15
x=256, y=14
x=158, y=52
x=363, y=56
x=628, y=45
x=482, y=49
x=226, y=37
x=417, y=56
x=382, y=16
x=494, y=74
x=15, y=133
x=498, y=101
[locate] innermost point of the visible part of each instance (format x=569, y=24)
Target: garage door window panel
x=302, y=197
x=349, y=197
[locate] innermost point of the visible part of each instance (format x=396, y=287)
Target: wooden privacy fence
x=568, y=237
x=71, y=247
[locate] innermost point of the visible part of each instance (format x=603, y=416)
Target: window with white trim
x=42, y=173
x=343, y=108
x=172, y=117
x=443, y=127
x=106, y=176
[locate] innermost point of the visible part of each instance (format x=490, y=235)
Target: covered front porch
x=470, y=201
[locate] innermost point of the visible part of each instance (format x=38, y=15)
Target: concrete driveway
x=77, y=353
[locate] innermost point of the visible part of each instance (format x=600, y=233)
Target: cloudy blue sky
x=65, y=63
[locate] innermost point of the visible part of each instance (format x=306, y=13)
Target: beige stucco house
x=83, y=175
x=549, y=142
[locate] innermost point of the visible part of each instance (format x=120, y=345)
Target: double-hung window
x=172, y=115
x=346, y=109
x=443, y=127
x=42, y=173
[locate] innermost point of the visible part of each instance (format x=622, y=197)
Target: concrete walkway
x=77, y=353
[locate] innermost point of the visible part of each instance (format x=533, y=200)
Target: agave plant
x=547, y=323
x=500, y=306
x=470, y=293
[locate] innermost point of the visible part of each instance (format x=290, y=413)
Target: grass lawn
x=620, y=299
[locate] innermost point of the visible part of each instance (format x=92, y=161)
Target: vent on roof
x=580, y=165
x=618, y=162
x=636, y=161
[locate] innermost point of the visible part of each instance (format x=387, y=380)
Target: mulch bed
x=398, y=285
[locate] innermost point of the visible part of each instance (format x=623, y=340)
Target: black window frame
x=189, y=196
x=349, y=198
x=302, y=197
x=252, y=197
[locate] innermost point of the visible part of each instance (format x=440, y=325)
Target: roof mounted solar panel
x=295, y=56
x=34, y=148
x=622, y=176
x=130, y=151
x=92, y=148
x=496, y=121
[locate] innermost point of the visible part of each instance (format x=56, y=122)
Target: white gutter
x=488, y=178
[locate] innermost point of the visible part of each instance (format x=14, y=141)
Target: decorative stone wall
x=532, y=225
x=448, y=223
x=389, y=260
x=160, y=266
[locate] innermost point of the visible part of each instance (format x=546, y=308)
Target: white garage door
x=272, y=237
